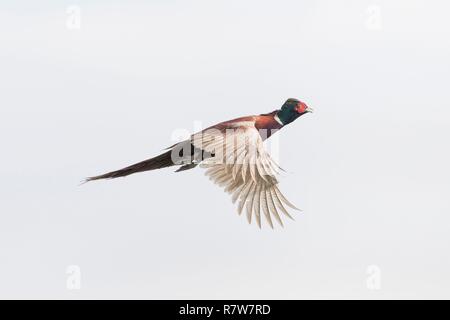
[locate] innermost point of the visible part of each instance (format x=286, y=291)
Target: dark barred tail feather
x=162, y=161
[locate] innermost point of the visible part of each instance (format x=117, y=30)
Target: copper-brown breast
x=267, y=125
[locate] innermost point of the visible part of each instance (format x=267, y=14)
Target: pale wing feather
x=244, y=195
x=265, y=205
x=283, y=198
x=246, y=171
x=250, y=203
x=279, y=204
x=258, y=205
x=272, y=206
x=237, y=193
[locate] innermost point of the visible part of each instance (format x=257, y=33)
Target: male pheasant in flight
x=235, y=159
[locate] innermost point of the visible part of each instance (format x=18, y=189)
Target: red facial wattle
x=301, y=107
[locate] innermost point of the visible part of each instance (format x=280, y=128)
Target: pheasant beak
x=309, y=109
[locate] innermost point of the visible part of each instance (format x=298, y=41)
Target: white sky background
x=369, y=168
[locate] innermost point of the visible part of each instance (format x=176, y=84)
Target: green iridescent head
x=291, y=110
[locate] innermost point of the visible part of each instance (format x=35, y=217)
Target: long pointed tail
x=162, y=161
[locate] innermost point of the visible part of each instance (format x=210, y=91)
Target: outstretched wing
x=240, y=164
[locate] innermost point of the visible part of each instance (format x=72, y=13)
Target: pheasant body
x=233, y=155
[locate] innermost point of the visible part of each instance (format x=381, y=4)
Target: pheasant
x=234, y=157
